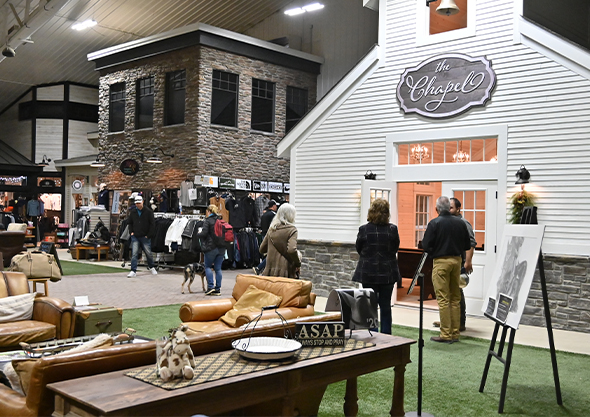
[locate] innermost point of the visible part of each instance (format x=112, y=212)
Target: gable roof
x=330, y=102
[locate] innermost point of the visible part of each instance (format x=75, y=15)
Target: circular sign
x=77, y=185
x=129, y=167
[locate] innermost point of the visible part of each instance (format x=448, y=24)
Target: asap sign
x=446, y=85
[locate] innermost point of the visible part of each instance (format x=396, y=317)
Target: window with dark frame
x=296, y=106
x=224, y=100
x=263, y=104
x=117, y=99
x=144, y=104
x=175, y=98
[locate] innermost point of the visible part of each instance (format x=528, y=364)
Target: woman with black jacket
x=213, y=255
x=377, y=244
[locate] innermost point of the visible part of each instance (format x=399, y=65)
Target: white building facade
x=537, y=115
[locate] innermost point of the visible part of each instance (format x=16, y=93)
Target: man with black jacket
x=141, y=229
x=265, y=222
x=445, y=240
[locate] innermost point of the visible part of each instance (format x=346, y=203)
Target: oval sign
x=77, y=185
x=446, y=85
x=46, y=183
x=129, y=167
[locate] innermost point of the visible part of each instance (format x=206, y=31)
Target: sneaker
x=216, y=292
x=436, y=324
x=210, y=292
x=131, y=274
x=255, y=270
x=153, y=271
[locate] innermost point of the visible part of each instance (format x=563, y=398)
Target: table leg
x=98, y=250
x=351, y=407
x=397, y=402
x=77, y=254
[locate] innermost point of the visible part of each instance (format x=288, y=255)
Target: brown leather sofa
x=52, y=318
x=204, y=316
x=39, y=400
x=11, y=243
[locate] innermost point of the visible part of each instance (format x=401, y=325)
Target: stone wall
x=198, y=146
x=330, y=265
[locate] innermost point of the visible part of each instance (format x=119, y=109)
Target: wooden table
x=114, y=393
x=43, y=281
x=98, y=249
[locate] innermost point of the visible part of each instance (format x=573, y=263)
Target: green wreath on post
x=519, y=201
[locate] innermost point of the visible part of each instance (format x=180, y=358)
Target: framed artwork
x=514, y=272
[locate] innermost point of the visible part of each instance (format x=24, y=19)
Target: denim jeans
x=383, y=292
x=141, y=243
x=214, y=258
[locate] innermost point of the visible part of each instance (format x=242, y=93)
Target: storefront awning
x=77, y=161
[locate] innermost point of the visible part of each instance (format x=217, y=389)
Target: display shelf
x=30, y=238
x=62, y=235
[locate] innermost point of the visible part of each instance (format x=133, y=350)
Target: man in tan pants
x=445, y=239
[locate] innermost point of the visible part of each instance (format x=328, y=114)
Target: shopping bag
x=36, y=265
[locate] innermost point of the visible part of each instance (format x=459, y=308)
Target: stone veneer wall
x=198, y=146
x=330, y=265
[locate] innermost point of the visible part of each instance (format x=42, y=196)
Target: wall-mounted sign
x=77, y=185
x=227, y=183
x=242, y=184
x=446, y=85
x=207, y=181
x=129, y=167
x=260, y=186
x=275, y=187
x=287, y=188
x=46, y=183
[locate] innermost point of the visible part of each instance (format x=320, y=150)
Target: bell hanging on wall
x=447, y=7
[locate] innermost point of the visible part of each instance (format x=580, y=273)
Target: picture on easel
x=514, y=272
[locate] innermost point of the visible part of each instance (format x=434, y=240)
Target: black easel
x=529, y=216
x=418, y=275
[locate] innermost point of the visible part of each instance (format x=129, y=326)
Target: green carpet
x=451, y=377
x=82, y=268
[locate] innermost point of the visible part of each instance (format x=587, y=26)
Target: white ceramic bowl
x=266, y=348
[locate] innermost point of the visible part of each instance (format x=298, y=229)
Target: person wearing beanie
x=142, y=227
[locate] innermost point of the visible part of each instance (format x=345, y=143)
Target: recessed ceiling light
x=294, y=12
x=85, y=24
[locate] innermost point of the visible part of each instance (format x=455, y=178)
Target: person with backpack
x=214, y=250
x=280, y=244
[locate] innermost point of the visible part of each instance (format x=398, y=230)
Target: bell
x=447, y=7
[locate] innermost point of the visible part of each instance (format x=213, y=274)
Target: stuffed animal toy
x=175, y=358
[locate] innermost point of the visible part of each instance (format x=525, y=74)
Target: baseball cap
x=139, y=199
x=271, y=203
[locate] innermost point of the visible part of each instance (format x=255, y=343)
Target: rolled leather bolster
x=205, y=310
x=287, y=313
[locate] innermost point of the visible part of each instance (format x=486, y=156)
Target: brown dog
x=189, y=275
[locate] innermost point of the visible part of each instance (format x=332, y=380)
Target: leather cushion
x=30, y=331
x=295, y=292
x=252, y=300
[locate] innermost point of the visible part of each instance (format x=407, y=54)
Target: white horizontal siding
x=54, y=92
x=49, y=141
x=544, y=104
x=16, y=133
x=78, y=144
x=86, y=95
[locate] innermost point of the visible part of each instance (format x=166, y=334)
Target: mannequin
x=163, y=201
x=103, y=196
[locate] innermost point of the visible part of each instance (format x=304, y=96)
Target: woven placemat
x=230, y=363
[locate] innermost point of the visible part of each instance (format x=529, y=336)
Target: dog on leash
x=189, y=275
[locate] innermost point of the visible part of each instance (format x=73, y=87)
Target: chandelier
x=419, y=152
x=461, y=156
x=494, y=159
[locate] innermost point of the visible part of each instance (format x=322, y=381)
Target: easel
x=529, y=216
x=418, y=275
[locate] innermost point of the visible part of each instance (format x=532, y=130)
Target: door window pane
x=117, y=97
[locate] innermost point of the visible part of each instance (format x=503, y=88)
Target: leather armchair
x=52, y=318
x=204, y=316
x=11, y=243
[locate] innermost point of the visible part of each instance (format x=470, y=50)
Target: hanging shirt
x=33, y=208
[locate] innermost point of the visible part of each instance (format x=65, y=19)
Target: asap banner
x=446, y=85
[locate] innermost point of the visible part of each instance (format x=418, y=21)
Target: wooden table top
x=115, y=393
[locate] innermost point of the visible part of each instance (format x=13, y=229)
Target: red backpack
x=223, y=233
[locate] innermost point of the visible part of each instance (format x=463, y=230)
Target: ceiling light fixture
x=461, y=156
x=84, y=25
x=309, y=8
x=9, y=52
x=419, y=152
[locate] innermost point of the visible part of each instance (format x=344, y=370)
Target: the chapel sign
x=446, y=85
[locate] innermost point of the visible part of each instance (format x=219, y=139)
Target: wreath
x=519, y=201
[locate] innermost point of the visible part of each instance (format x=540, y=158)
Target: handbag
x=36, y=265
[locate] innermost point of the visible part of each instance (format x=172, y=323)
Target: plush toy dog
x=175, y=358
x=189, y=275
